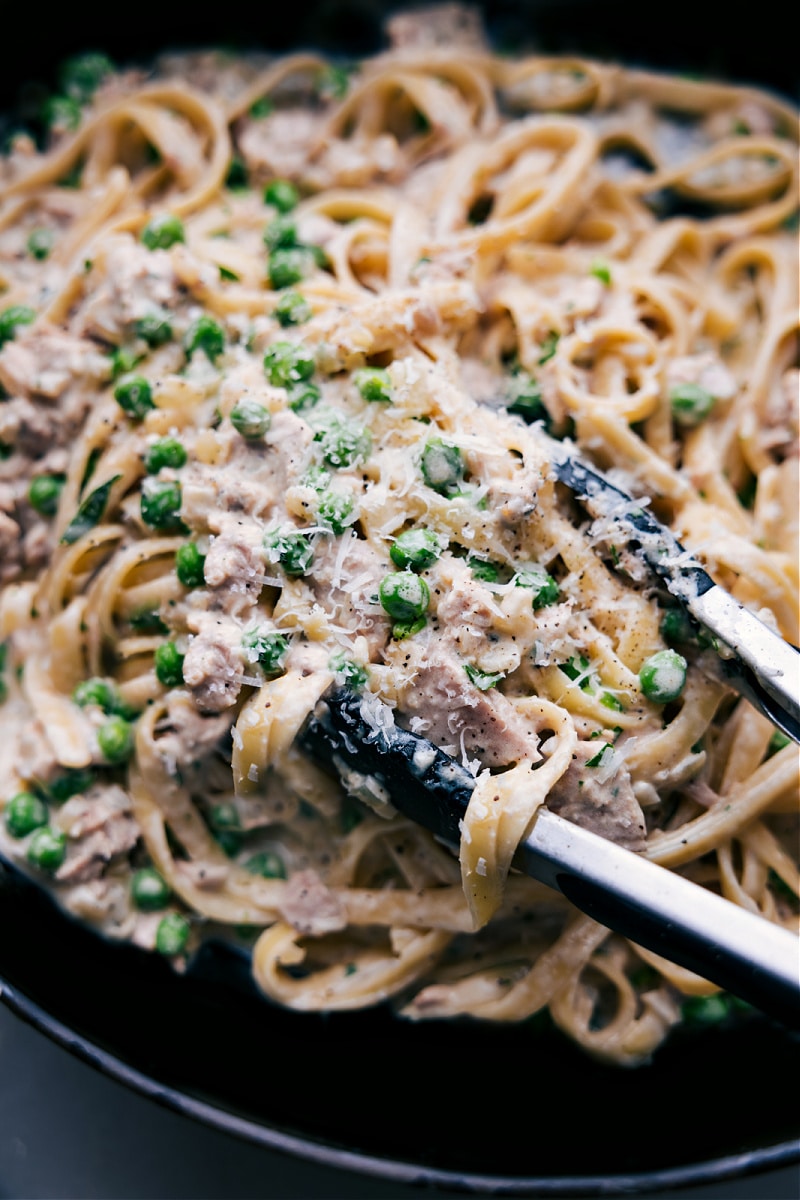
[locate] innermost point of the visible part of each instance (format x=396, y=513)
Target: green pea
x=224, y=817
x=134, y=395
x=348, y=672
x=676, y=626
x=316, y=477
x=415, y=550
x=374, y=384
x=71, y=783
x=267, y=864
x=81, y=75
x=161, y=503
x=335, y=511
x=47, y=849
x=250, y=419
x=280, y=233
x=544, y=587
x=690, y=403
x=293, y=551
x=344, y=443
x=287, y=363
x=116, y=740
x=166, y=452
x=442, y=465
x=404, y=596
x=707, y=1010
x=281, y=194
x=292, y=308
x=189, y=565
x=168, y=662
x=10, y=318
x=303, y=396
x=149, y=890
x=524, y=397
x=96, y=692
x=40, y=243
x=207, y=335
x=172, y=935
x=163, y=231
x=155, y=328
x=23, y=813
x=61, y=112
x=267, y=648
x=290, y=265
x=663, y=676
x=44, y=493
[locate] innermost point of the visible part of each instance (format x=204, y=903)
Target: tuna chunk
x=137, y=281
x=213, y=668
x=279, y=144
x=441, y=703
x=594, y=799
x=234, y=567
x=347, y=575
x=187, y=736
x=100, y=826
x=310, y=907
x=46, y=362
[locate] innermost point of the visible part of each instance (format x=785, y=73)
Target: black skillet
x=365, y=1091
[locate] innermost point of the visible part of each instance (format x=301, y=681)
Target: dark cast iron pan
x=508, y=1109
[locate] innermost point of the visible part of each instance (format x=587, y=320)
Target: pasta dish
x=279, y=342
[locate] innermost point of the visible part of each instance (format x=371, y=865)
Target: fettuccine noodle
x=278, y=343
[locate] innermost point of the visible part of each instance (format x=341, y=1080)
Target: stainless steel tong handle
x=753, y=659
x=736, y=949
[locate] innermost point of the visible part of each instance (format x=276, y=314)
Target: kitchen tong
x=683, y=922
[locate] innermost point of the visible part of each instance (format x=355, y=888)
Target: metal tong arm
x=683, y=922
x=764, y=668
x=668, y=914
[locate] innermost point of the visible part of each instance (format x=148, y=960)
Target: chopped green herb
x=541, y=583
x=227, y=273
x=524, y=397
x=548, y=347
x=601, y=270
x=10, y=318
x=348, y=672
x=484, y=570
x=237, y=178
x=483, y=680
x=90, y=511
